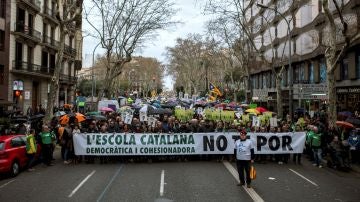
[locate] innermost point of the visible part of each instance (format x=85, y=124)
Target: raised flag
x=214, y=89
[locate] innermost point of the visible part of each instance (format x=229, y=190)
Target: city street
x=179, y=181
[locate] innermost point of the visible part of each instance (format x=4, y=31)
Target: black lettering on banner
x=208, y=143
x=286, y=141
x=260, y=141
x=222, y=139
x=271, y=143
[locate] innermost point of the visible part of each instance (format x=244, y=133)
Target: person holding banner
x=244, y=151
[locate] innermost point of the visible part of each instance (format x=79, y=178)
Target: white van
x=113, y=104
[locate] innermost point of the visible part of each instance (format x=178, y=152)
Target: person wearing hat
x=244, y=151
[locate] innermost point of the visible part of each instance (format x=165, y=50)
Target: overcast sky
x=193, y=22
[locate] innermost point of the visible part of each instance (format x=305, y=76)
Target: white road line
x=81, y=183
x=255, y=197
x=6, y=184
x=162, y=183
x=303, y=177
x=107, y=186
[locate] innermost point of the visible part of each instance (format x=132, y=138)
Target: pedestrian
x=244, y=151
x=47, y=138
x=31, y=148
x=316, y=147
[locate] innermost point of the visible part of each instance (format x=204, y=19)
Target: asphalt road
x=179, y=181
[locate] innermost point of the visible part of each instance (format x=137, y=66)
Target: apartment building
x=308, y=27
x=29, y=35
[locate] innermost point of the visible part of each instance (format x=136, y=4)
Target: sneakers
x=248, y=186
x=280, y=162
x=67, y=162
x=320, y=166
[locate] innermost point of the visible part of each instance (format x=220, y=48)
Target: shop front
x=348, y=99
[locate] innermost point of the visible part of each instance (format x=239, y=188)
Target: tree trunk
x=246, y=84
x=54, y=83
x=332, y=116
x=279, y=97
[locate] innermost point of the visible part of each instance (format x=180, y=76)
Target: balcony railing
x=50, y=41
x=49, y=11
x=67, y=78
x=29, y=31
x=68, y=50
x=33, y=3
x=303, y=81
x=29, y=67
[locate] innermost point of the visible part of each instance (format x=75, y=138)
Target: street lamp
x=93, y=85
x=92, y=73
x=290, y=67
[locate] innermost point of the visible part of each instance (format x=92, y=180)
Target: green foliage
x=85, y=87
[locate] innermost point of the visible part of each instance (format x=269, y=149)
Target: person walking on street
x=31, y=149
x=244, y=151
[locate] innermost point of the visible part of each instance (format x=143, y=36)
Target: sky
x=193, y=21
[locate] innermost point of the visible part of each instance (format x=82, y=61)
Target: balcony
x=50, y=14
x=31, y=4
x=27, y=32
x=302, y=81
x=69, y=51
x=52, y=43
x=64, y=78
x=31, y=69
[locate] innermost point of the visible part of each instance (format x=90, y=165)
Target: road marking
x=255, y=197
x=6, y=184
x=303, y=177
x=81, y=184
x=107, y=186
x=162, y=183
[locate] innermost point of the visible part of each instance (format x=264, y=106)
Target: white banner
x=278, y=143
x=182, y=143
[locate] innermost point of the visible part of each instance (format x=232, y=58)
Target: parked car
x=13, y=154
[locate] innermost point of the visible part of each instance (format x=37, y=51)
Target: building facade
x=308, y=28
x=30, y=50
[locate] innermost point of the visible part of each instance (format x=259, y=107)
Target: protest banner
x=183, y=143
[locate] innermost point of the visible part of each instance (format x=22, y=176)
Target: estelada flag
x=214, y=89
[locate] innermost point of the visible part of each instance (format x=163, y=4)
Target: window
x=311, y=73
x=344, y=69
x=2, y=72
x=2, y=8
x=302, y=73
x=322, y=71
x=297, y=74
x=17, y=142
x=273, y=80
x=2, y=40
x=44, y=59
x=284, y=78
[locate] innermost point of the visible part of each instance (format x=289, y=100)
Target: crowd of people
x=340, y=146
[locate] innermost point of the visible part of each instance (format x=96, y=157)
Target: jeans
x=317, y=156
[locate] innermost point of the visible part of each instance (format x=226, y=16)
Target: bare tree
x=123, y=26
x=67, y=13
x=338, y=39
x=238, y=34
x=190, y=61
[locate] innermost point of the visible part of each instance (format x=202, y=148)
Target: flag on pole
x=215, y=90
